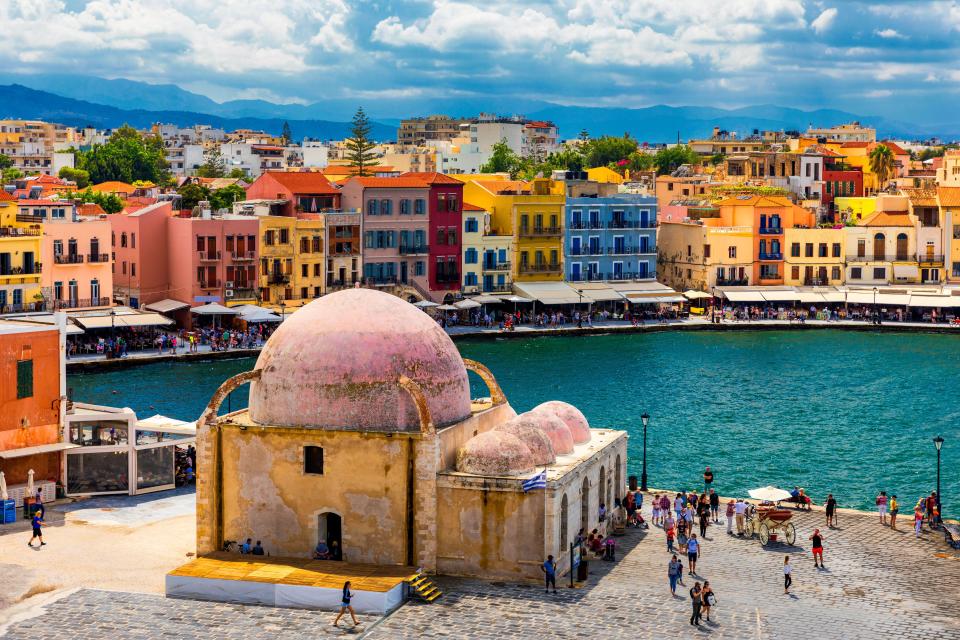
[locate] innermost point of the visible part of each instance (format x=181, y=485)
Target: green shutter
x=24, y=378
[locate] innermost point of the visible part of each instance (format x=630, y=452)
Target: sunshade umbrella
x=264, y=316
x=466, y=304
x=770, y=494
x=425, y=304
x=484, y=299
x=3, y=487
x=212, y=308
x=516, y=299
x=447, y=307
x=696, y=295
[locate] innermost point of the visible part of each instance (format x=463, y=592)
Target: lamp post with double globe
x=938, y=443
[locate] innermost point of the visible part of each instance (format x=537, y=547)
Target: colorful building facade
x=20, y=261
x=814, y=256
x=292, y=259
x=486, y=257
x=78, y=268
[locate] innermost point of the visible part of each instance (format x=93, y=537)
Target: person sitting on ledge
x=257, y=549
x=321, y=551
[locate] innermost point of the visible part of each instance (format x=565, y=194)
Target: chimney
x=205, y=213
x=716, y=132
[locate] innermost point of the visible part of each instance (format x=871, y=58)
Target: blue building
x=610, y=237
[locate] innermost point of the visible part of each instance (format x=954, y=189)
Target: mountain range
x=79, y=100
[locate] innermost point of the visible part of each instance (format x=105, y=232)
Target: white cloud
x=878, y=93
x=825, y=20
x=890, y=34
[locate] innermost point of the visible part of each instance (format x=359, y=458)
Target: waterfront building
x=445, y=213
x=881, y=249
x=948, y=199
x=78, y=270
x=814, y=256
x=32, y=401
x=840, y=179
x=292, y=262
x=728, y=143
x=609, y=235
x=695, y=255
x=361, y=431
x=486, y=257
x=20, y=263
x=948, y=174
x=396, y=231
x=344, y=249
x=683, y=187
x=532, y=214
x=857, y=155
x=140, y=269
x=924, y=210
x=301, y=192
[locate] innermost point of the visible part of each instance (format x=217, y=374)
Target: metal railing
x=930, y=259
x=498, y=288
x=68, y=258
x=209, y=256
x=816, y=282
x=278, y=278
x=243, y=255
x=600, y=276
x=32, y=270
x=771, y=276
x=771, y=231
x=771, y=255
x=586, y=251
x=10, y=232
x=732, y=282
x=448, y=276
x=541, y=268
x=22, y=307
x=80, y=303
x=499, y=266
x=408, y=250
x=98, y=257
x=28, y=217
x=538, y=232
x=586, y=225
x=210, y=284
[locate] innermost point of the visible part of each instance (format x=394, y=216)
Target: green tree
x=213, y=164
x=504, y=160
x=109, y=202
x=286, y=134
x=640, y=161
x=668, y=159
x=225, y=197
x=81, y=177
x=237, y=173
x=584, y=135
x=5, y=161
x=11, y=174
x=606, y=150
x=881, y=164
x=127, y=156
x=359, y=145
x=191, y=194
x=717, y=158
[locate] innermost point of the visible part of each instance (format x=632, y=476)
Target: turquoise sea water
x=840, y=412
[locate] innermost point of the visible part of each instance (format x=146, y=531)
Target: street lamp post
x=645, y=418
x=713, y=305
x=283, y=306
x=580, y=317
x=876, y=312
x=938, y=443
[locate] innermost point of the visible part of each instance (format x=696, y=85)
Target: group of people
x=927, y=509
x=121, y=342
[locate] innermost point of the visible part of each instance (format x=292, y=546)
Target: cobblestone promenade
x=878, y=583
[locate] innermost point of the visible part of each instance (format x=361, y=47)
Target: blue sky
x=896, y=59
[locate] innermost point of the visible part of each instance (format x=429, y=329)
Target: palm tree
x=881, y=164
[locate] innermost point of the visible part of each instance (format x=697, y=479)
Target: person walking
x=696, y=602
x=345, y=605
x=655, y=510
x=894, y=510
x=693, y=553
x=831, y=511
x=882, y=507
x=674, y=568
x=549, y=574
x=704, y=515
x=917, y=520
x=730, y=513
x=787, y=574
x=37, y=529
x=664, y=507
x=715, y=506
x=740, y=509
x=707, y=599
x=671, y=531
x=817, y=547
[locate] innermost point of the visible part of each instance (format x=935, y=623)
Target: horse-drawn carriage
x=768, y=523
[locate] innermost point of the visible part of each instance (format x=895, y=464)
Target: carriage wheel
x=749, y=527
x=764, y=534
x=791, y=532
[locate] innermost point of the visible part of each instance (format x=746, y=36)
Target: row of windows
x=841, y=188
x=385, y=207
x=808, y=250
x=57, y=213
x=73, y=290
x=123, y=239
x=72, y=247
x=822, y=273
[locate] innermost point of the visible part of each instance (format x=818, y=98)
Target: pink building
x=213, y=258
x=75, y=253
x=396, y=228
x=140, y=271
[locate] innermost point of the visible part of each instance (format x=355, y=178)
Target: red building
x=840, y=180
x=445, y=209
x=303, y=191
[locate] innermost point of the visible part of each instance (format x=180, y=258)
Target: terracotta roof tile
x=472, y=207
x=303, y=181
x=921, y=197
x=431, y=177
x=949, y=196
x=887, y=219
x=499, y=186
x=114, y=186
x=372, y=182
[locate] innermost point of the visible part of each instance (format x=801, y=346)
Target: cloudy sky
x=897, y=59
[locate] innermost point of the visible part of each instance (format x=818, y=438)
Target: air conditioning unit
x=229, y=284
x=228, y=293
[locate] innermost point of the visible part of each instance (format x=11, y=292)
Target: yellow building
x=856, y=208
x=700, y=257
x=20, y=246
x=813, y=257
x=605, y=174
x=486, y=257
x=532, y=215
x=292, y=260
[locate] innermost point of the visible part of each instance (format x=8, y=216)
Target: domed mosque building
x=361, y=433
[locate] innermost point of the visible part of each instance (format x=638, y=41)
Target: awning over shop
x=860, y=297
x=781, y=295
x=938, y=302
x=32, y=451
x=548, y=292
x=485, y=299
x=467, y=304
x=807, y=297
x=166, y=306
x=834, y=296
x=696, y=295
x=743, y=296
x=598, y=292
x=121, y=320
x=907, y=271
x=167, y=425
x=893, y=298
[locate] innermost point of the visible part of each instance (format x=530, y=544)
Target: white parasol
x=31, y=490
x=770, y=494
x=425, y=304
x=447, y=307
x=695, y=295
x=466, y=304
x=3, y=487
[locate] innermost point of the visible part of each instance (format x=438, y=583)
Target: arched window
x=902, y=246
x=564, y=516
x=123, y=239
x=879, y=246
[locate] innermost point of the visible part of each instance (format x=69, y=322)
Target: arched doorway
x=902, y=245
x=585, y=506
x=618, y=484
x=564, y=516
x=879, y=246
x=329, y=530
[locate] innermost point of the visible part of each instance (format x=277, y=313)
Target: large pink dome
x=531, y=435
x=571, y=416
x=494, y=453
x=336, y=363
x=553, y=427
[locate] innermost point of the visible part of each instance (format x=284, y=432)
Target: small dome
x=571, y=416
x=532, y=435
x=336, y=364
x=553, y=427
x=495, y=453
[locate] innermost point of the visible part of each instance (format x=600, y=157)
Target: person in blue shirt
x=37, y=533
x=257, y=549
x=246, y=547
x=549, y=569
x=693, y=552
x=345, y=605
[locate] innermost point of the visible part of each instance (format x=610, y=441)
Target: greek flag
x=538, y=481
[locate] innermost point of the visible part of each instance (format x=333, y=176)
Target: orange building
x=768, y=216
x=32, y=385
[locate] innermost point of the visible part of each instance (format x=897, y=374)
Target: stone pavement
x=878, y=583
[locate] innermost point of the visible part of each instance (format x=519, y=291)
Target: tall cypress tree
x=359, y=145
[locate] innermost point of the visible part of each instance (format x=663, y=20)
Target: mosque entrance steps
x=425, y=588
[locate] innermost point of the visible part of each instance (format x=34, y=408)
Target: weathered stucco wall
x=452, y=438
x=267, y=495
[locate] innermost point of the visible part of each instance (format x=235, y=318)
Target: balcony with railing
x=496, y=266
x=67, y=258
x=29, y=217
x=81, y=303
x=771, y=231
x=98, y=257
x=244, y=293
x=277, y=278
x=927, y=260
x=586, y=251
x=337, y=285
x=770, y=276
x=13, y=232
x=586, y=225
x=732, y=282
x=26, y=270
x=209, y=256
x=412, y=250
x=632, y=224
x=243, y=256
x=816, y=282
x=602, y=276
x=540, y=232
x=210, y=284
x=541, y=268
x=23, y=307
x=498, y=288
x=771, y=255
x=448, y=276
x=622, y=251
